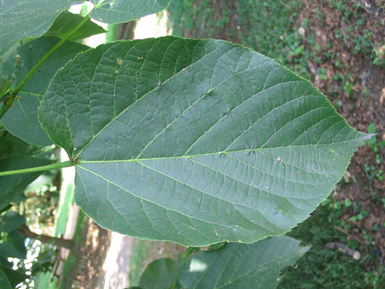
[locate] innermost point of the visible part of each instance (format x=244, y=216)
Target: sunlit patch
x=197, y=266
x=78, y=7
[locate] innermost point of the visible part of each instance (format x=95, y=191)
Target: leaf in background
x=241, y=266
x=21, y=120
x=15, y=154
x=4, y=280
x=67, y=21
x=4, y=87
x=195, y=141
x=11, y=221
x=160, y=274
x=115, y=11
x=14, y=246
x=15, y=277
x=21, y=19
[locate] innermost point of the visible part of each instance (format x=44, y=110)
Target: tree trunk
x=60, y=242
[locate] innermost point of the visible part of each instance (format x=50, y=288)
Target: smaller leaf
x=6, y=208
x=160, y=274
x=16, y=154
x=115, y=11
x=14, y=246
x=25, y=19
x=21, y=120
x=15, y=277
x=242, y=266
x=12, y=220
x=4, y=87
x=371, y=128
x=5, y=284
x=67, y=21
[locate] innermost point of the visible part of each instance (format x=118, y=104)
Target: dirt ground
x=357, y=108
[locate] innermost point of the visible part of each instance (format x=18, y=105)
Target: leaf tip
x=367, y=136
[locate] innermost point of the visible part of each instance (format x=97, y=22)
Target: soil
x=92, y=252
x=358, y=108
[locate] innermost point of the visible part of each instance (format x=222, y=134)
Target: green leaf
x=6, y=208
x=12, y=220
x=160, y=274
x=4, y=280
x=66, y=22
x=242, y=266
x=21, y=120
x=14, y=277
x=25, y=19
x=15, y=154
x=14, y=246
x=21, y=19
x=4, y=87
x=371, y=128
x=195, y=141
x=115, y=11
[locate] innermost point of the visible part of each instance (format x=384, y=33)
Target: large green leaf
x=20, y=19
x=195, y=141
x=21, y=119
x=14, y=155
x=241, y=266
x=116, y=11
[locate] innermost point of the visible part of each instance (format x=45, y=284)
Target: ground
x=336, y=51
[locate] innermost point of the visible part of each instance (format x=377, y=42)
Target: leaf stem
x=11, y=97
x=55, y=166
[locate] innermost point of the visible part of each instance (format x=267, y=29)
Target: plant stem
x=11, y=97
x=55, y=166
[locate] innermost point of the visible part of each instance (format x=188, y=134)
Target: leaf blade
x=21, y=120
x=195, y=141
x=242, y=266
x=113, y=11
x=25, y=19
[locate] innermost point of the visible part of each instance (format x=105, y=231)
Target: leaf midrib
x=217, y=153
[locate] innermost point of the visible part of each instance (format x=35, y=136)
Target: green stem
x=55, y=166
x=10, y=99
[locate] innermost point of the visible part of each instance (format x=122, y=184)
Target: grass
x=323, y=268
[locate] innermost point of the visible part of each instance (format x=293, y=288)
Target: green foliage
x=14, y=69
x=66, y=22
x=4, y=281
x=231, y=266
x=376, y=146
x=16, y=154
x=177, y=98
x=321, y=267
x=11, y=221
